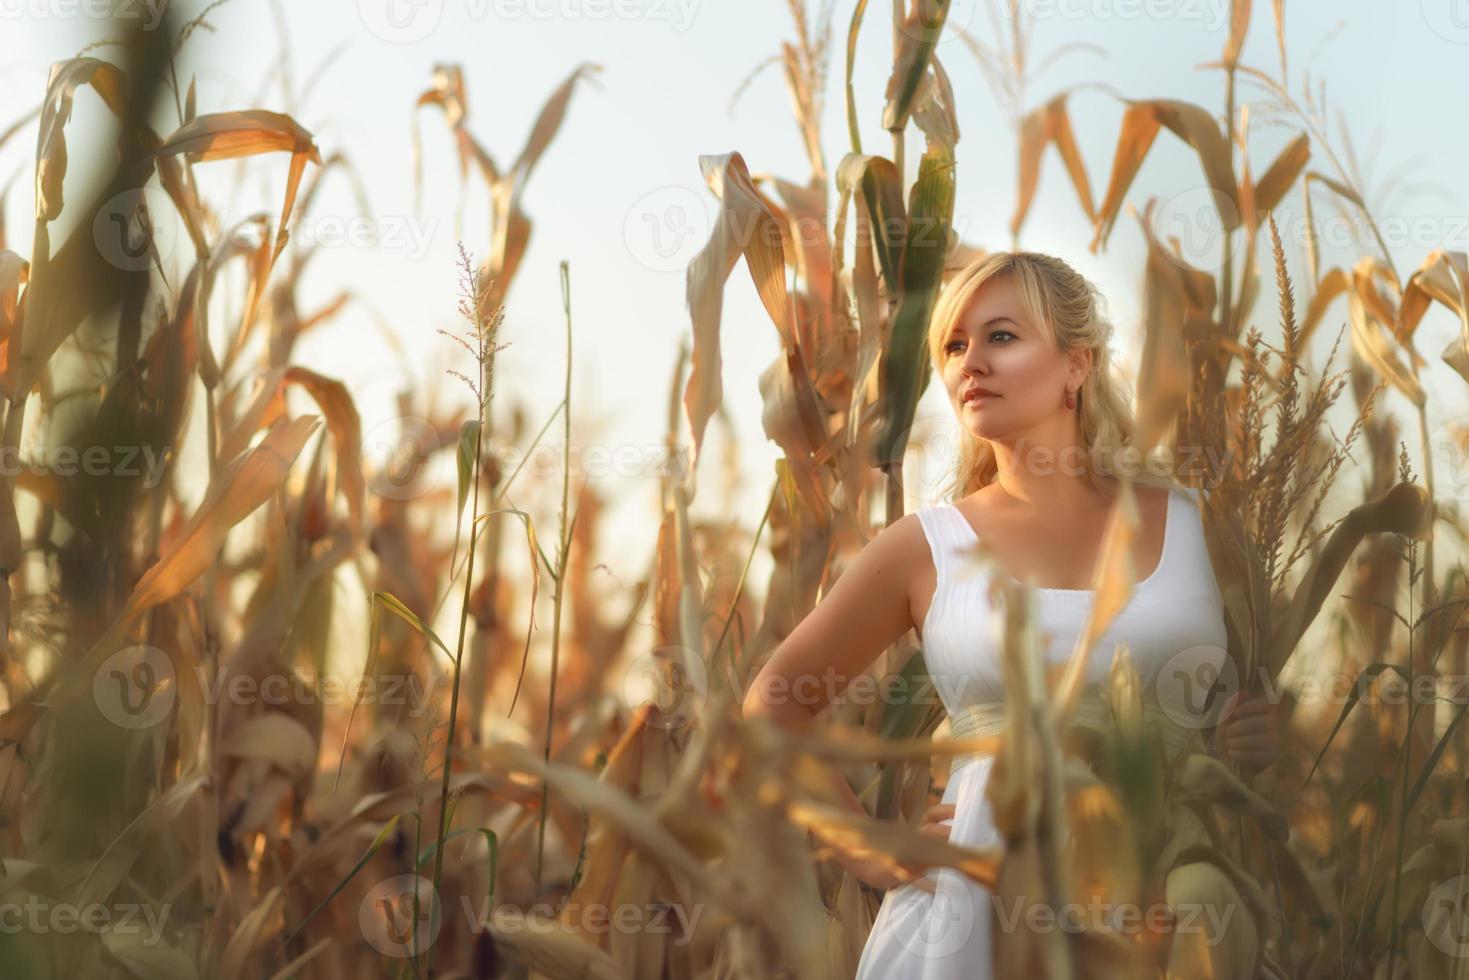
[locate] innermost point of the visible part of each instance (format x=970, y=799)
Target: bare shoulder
x=901, y=544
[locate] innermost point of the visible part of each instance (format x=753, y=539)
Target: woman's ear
x=1080, y=366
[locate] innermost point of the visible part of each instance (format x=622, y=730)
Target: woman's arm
x=865, y=612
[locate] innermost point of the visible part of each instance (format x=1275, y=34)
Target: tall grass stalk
x=559, y=575
x=484, y=350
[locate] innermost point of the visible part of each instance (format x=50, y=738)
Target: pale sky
x=626, y=162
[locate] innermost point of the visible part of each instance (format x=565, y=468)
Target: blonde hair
x=1067, y=309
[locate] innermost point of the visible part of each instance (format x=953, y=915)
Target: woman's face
x=996, y=346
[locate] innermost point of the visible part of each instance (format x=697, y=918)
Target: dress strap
x=942, y=537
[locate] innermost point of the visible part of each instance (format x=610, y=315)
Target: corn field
x=191, y=790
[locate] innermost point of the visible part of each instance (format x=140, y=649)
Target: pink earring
x=1070, y=399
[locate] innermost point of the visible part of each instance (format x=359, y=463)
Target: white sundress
x=1177, y=611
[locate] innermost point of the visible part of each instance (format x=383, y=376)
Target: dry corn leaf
x=1373, y=346
x=158, y=817
x=346, y=429
x=1332, y=285
x=1404, y=509
x=236, y=490
x=894, y=844
x=1199, y=953
x=548, y=949
x=1441, y=276
x=639, y=825
x=1193, y=125
x=148, y=960
x=51, y=159
x=1239, y=27
x=1049, y=125
x=258, y=925
x=917, y=38
x=1271, y=188
x=1203, y=777
x=747, y=228
x=226, y=135
x=275, y=738
x=1179, y=302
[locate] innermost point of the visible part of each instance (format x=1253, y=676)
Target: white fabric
x=947, y=935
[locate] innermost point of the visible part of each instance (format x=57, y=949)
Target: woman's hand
x=881, y=875
x=1248, y=732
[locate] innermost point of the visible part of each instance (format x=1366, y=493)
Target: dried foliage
x=472, y=808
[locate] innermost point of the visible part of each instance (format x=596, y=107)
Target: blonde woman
x=1021, y=345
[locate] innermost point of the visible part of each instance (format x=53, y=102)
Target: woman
x=1022, y=348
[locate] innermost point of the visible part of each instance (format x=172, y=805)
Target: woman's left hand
x=1248, y=732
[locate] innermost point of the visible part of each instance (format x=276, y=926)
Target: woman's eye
x=997, y=333
x=951, y=344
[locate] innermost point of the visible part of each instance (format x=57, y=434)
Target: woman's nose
x=974, y=361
